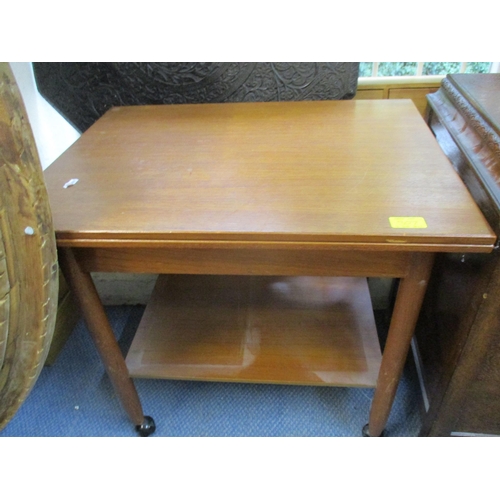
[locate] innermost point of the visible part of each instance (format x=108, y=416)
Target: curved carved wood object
x=28, y=256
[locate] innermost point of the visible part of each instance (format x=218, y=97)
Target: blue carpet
x=74, y=397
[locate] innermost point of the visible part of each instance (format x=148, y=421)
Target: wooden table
x=251, y=211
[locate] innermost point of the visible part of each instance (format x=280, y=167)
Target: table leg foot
x=366, y=431
x=147, y=427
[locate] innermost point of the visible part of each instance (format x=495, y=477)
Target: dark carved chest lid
x=483, y=92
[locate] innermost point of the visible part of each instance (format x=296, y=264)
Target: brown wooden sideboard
x=458, y=334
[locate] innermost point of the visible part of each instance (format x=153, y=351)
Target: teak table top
x=265, y=173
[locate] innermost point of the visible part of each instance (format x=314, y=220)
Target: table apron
x=252, y=261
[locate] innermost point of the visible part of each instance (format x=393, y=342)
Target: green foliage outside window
x=397, y=68
x=440, y=68
x=478, y=67
x=429, y=68
x=365, y=68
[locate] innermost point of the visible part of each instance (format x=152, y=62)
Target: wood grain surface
x=331, y=171
x=316, y=331
x=289, y=262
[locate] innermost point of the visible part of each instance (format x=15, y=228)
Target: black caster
x=147, y=427
x=366, y=433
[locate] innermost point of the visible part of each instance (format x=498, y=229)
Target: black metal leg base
x=366, y=432
x=147, y=427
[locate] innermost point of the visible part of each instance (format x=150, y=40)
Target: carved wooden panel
x=83, y=92
x=471, y=119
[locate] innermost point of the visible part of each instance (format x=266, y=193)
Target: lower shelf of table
x=288, y=330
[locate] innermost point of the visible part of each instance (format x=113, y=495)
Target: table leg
x=404, y=318
x=83, y=287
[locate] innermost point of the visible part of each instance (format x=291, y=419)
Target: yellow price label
x=407, y=222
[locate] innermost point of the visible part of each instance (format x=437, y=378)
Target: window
x=367, y=69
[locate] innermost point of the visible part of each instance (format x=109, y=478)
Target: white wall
x=53, y=133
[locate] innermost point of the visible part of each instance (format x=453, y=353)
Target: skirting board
x=117, y=289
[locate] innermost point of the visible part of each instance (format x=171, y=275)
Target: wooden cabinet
x=458, y=335
x=412, y=88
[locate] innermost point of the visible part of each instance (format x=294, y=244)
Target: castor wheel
x=147, y=427
x=366, y=433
